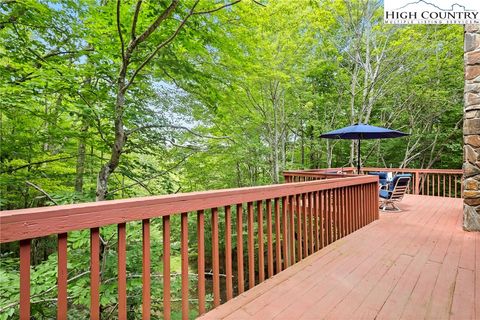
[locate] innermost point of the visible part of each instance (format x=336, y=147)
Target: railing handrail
x=430, y=182
x=439, y=171
x=319, y=174
x=39, y=222
x=348, y=169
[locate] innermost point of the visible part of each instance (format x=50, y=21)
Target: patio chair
x=382, y=178
x=395, y=193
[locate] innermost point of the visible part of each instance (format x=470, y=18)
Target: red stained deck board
x=467, y=257
x=442, y=295
x=325, y=297
x=275, y=301
x=309, y=290
x=346, y=309
x=417, y=305
x=463, y=305
x=395, y=304
x=418, y=263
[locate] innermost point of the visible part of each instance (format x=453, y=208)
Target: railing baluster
x=422, y=188
x=433, y=184
x=228, y=252
x=346, y=219
x=201, y=261
x=311, y=221
x=282, y=243
x=369, y=201
x=299, y=227
x=25, y=279
x=328, y=222
x=146, y=269
x=215, y=259
x=241, y=283
x=305, y=224
x=269, y=239
x=355, y=205
x=94, y=273
x=335, y=215
x=291, y=228
x=316, y=218
x=347, y=211
x=251, y=247
x=321, y=217
x=353, y=209
x=443, y=178
x=62, y=276
x=278, y=241
x=456, y=183
x=363, y=204
x=261, y=257
x=449, y=185
x=122, y=271
x=166, y=267
x=428, y=184
x=343, y=221
x=343, y=212
x=374, y=199
x=461, y=186
x=184, y=259
x=338, y=207
x=338, y=198
x=438, y=185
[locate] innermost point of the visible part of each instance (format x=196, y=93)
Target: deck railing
x=429, y=182
x=317, y=174
x=284, y=223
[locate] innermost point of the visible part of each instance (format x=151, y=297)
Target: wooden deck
x=415, y=264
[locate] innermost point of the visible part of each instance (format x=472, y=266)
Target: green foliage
x=237, y=97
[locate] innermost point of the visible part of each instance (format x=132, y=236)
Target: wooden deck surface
x=416, y=264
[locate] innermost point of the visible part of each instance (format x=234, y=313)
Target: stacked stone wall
x=471, y=130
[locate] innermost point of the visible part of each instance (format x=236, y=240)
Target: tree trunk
x=81, y=156
x=329, y=153
x=276, y=178
x=119, y=143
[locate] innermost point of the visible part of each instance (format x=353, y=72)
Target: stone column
x=471, y=130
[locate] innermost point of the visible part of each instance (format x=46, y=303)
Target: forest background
x=118, y=99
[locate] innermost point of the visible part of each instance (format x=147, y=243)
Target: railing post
x=417, y=183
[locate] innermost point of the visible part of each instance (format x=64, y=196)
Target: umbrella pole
x=358, y=157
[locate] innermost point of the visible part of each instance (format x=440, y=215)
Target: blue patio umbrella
x=362, y=131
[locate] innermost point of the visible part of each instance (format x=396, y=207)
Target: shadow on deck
x=414, y=264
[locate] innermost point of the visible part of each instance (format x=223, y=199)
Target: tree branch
x=160, y=46
x=259, y=3
x=150, y=126
x=57, y=53
x=154, y=176
x=34, y=163
x=120, y=30
x=41, y=190
x=153, y=26
x=135, y=18
x=220, y=8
